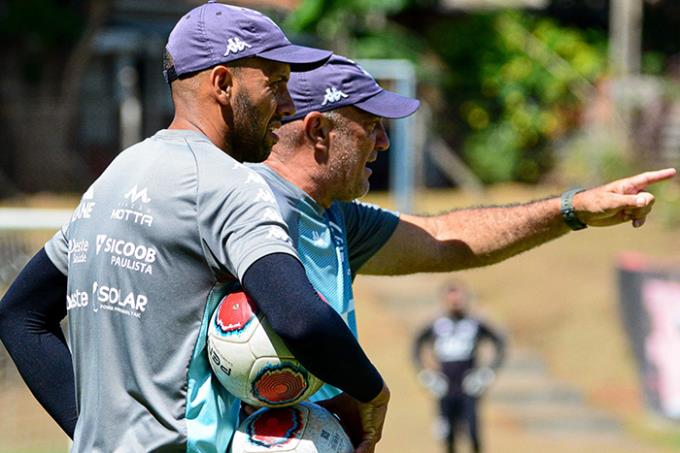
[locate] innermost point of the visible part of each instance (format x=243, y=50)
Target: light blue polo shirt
x=332, y=243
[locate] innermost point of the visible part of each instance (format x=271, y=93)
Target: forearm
x=467, y=238
x=498, y=359
x=423, y=337
x=487, y=235
x=500, y=352
x=30, y=313
x=315, y=334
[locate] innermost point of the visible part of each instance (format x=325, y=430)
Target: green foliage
x=389, y=43
x=360, y=25
x=653, y=63
x=516, y=82
x=323, y=15
x=593, y=157
x=510, y=84
x=668, y=204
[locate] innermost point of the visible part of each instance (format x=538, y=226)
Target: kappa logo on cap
x=333, y=95
x=236, y=45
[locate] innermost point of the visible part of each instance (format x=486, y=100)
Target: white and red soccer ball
x=251, y=361
x=303, y=428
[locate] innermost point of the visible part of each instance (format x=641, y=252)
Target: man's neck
x=300, y=175
x=215, y=135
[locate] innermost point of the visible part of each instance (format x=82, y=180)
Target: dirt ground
x=387, y=334
x=558, y=301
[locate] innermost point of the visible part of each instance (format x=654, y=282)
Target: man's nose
x=382, y=141
x=286, y=106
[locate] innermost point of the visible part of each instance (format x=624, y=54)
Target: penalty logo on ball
x=275, y=427
x=280, y=384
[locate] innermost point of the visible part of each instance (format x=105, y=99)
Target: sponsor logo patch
x=255, y=178
x=272, y=215
x=77, y=251
x=264, y=195
x=86, y=206
x=77, y=299
x=110, y=298
x=127, y=254
x=276, y=232
x=134, y=207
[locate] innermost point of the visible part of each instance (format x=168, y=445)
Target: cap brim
x=388, y=104
x=300, y=58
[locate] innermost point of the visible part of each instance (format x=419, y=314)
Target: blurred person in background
x=457, y=380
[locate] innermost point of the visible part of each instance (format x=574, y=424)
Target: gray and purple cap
x=215, y=33
x=342, y=82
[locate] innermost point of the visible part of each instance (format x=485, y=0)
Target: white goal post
x=22, y=232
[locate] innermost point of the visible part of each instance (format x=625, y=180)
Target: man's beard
x=346, y=166
x=249, y=136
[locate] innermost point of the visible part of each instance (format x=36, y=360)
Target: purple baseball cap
x=215, y=33
x=341, y=82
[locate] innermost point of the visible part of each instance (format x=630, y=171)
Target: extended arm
x=423, y=337
x=499, y=343
x=30, y=313
x=476, y=237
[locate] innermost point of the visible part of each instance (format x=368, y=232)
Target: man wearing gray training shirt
x=171, y=219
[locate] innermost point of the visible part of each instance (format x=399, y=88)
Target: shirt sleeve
x=30, y=313
x=239, y=220
x=57, y=249
x=368, y=227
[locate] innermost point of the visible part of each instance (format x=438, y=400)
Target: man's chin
x=364, y=190
x=360, y=192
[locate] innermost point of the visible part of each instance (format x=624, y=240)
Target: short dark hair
x=454, y=285
x=168, y=61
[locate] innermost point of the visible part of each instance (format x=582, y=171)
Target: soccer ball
x=303, y=428
x=251, y=361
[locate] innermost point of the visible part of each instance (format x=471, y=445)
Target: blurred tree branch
x=76, y=63
x=50, y=43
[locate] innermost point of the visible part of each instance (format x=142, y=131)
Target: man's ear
x=317, y=130
x=221, y=81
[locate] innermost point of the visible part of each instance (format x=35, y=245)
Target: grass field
x=559, y=301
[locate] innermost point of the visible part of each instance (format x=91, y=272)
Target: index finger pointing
x=639, y=182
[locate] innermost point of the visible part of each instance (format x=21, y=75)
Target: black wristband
x=567, y=209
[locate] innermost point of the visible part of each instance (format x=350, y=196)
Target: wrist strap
x=567, y=209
